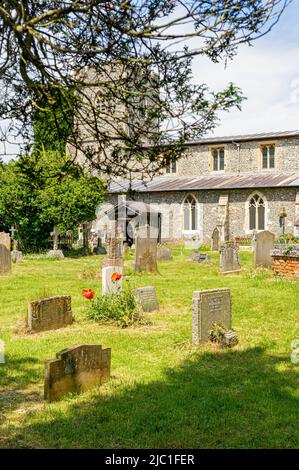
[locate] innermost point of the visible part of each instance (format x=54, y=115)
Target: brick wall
x=286, y=266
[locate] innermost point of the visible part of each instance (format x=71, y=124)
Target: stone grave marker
x=263, y=246
x=49, y=313
x=5, y=256
x=148, y=299
x=229, y=258
x=111, y=280
x=208, y=307
x=76, y=369
x=55, y=253
x=197, y=257
x=114, y=250
x=215, y=240
x=145, y=252
x=164, y=254
x=16, y=256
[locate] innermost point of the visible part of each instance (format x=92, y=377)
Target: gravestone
x=55, y=253
x=164, y=254
x=208, y=307
x=229, y=258
x=5, y=256
x=110, y=286
x=16, y=256
x=197, y=257
x=50, y=313
x=114, y=250
x=76, y=370
x=148, y=299
x=145, y=251
x=263, y=246
x=215, y=240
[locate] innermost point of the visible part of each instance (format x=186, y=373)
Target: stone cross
x=13, y=230
x=55, y=234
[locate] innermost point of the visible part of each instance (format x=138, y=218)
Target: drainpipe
x=239, y=156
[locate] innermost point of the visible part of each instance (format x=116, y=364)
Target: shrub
x=121, y=307
x=287, y=238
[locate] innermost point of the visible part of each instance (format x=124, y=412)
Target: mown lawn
x=164, y=392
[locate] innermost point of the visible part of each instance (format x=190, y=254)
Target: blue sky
x=267, y=73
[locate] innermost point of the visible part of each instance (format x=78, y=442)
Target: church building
x=228, y=187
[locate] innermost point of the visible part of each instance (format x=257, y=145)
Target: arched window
x=190, y=214
x=256, y=213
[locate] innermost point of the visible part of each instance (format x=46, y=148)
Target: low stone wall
x=286, y=260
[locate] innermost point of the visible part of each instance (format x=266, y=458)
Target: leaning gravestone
x=49, y=314
x=263, y=246
x=208, y=307
x=164, y=254
x=148, y=299
x=229, y=258
x=145, y=251
x=76, y=369
x=5, y=257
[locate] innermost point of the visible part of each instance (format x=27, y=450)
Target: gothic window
x=256, y=213
x=268, y=156
x=218, y=159
x=190, y=215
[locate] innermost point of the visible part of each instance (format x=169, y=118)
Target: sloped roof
x=200, y=183
x=244, y=137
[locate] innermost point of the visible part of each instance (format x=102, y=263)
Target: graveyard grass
x=164, y=392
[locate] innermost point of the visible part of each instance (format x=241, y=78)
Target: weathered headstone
x=145, y=251
x=76, y=370
x=229, y=258
x=5, y=257
x=263, y=246
x=114, y=250
x=215, y=240
x=208, y=307
x=112, y=279
x=50, y=313
x=16, y=256
x=164, y=254
x=148, y=299
x=197, y=257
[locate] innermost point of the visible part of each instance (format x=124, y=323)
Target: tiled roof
x=199, y=183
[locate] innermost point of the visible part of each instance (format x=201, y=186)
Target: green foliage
x=52, y=125
x=287, y=238
x=121, y=307
x=43, y=190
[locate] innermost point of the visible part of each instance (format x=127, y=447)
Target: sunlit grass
x=164, y=392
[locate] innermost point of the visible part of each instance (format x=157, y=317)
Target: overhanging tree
x=128, y=65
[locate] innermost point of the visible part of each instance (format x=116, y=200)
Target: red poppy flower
x=88, y=294
x=116, y=277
